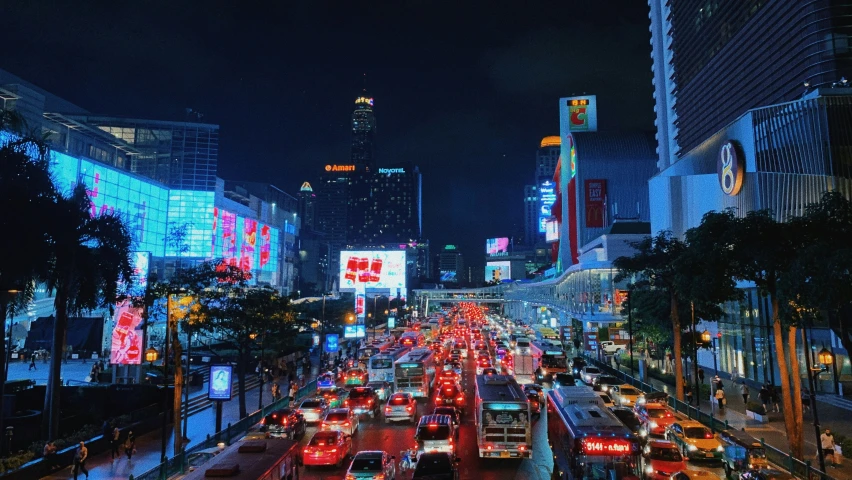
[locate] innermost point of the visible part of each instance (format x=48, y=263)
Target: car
x=383, y=389
x=461, y=346
x=450, y=395
x=662, y=458
x=606, y=399
x=629, y=419
x=625, y=395
x=456, y=366
x=436, y=433
x=531, y=387
x=563, y=379
x=696, y=442
x=313, y=409
x=611, y=348
x=356, y=377
x=654, y=417
x=490, y=371
x=326, y=381
x=452, y=412
x=589, y=374
x=447, y=375
x=695, y=475
x=535, y=403
x=327, y=448
x=284, y=423
x=363, y=400
x=372, y=465
x=481, y=365
x=436, y=466
x=335, y=398
x=603, y=383
x=401, y=406
x=577, y=364
x=341, y=420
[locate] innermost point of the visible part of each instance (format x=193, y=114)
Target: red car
x=654, y=418
x=447, y=375
x=327, y=448
x=662, y=459
x=450, y=395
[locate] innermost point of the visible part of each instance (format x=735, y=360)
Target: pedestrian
x=806, y=400
x=826, y=441
x=718, y=382
x=32, y=362
x=130, y=445
x=720, y=398
x=293, y=390
x=687, y=390
x=80, y=457
x=276, y=392
x=49, y=454
x=773, y=392
x=701, y=375
x=115, y=443
x=744, y=391
x=765, y=397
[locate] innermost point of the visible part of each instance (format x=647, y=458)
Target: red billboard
x=595, y=203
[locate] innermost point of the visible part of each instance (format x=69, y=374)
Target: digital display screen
x=494, y=246
x=354, y=331
x=448, y=276
x=375, y=269
x=551, y=230
x=247, y=244
x=331, y=343
x=220, y=386
x=607, y=446
x=546, y=198
x=498, y=271
x=578, y=102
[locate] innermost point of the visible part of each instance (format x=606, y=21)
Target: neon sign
x=340, y=168
x=606, y=446
x=391, y=170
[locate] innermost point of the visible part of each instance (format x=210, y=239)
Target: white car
x=340, y=420
x=589, y=374
x=624, y=395
x=401, y=406
x=370, y=465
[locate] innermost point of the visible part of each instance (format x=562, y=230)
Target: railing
x=178, y=464
x=796, y=467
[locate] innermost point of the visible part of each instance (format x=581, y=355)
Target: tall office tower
x=332, y=209
x=713, y=61
x=387, y=209
x=530, y=215
x=451, y=265
x=364, y=132
x=546, y=158
x=307, y=206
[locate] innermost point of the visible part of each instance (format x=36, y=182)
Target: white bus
x=374, y=348
x=503, y=425
x=381, y=368
x=415, y=373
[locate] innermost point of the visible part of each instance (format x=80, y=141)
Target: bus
x=412, y=339
x=415, y=373
x=550, y=358
x=374, y=348
x=503, y=426
x=587, y=439
x=380, y=367
x=272, y=459
x=429, y=331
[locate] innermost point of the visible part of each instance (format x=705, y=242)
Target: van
x=435, y=433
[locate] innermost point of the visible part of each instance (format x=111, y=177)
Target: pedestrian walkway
x=838, y=419
x=149, y=446
x=74, y=370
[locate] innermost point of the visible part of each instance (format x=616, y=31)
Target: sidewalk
x=148, y=446
x=838, y=419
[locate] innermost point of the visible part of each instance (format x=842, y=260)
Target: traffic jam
x=466, y=377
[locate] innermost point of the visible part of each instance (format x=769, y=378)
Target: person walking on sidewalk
x=130, y=445
x=744, y=392
x=701, y=375
x=826, y=442
x=720, y=398
x=773, y=392
x=765, y=397
x=32, y=362
x=115, y=443
x=293, y=390
x=80, y=457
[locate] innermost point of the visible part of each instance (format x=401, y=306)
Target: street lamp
x=253, y=337
x=707, y=338
x=151, y=355
x=826, y=358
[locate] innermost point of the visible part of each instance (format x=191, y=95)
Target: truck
x=610, y=348
x=525, y=366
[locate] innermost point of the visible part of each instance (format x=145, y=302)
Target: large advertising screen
x=126, y=341
x=546, y=197
x=448, y=276
x=374, y=269
x=498, y=271
x=246, y=243
x=551, y=231
x=221, y=382
x=582, y=113
x=496, y=246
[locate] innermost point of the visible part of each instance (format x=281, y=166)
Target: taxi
x=356, y=377
x=326, y=381
x=482, y=364
x=327, y=448
x=313, y=409
x=445, y=375
x=662, y=459
x=695, y=441
x=654, y=417
x=624, y=395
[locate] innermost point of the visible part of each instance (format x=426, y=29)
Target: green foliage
x=756, y=407
x=85, y=434
x=15, y=462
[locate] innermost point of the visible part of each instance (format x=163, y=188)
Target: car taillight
x=333, y=450
x=668, y=414
x=409, y=408
x=387, y=409
x=346, y=423
x=380, y=476
x=460, y=398
x=263, y=422
x=307, y=450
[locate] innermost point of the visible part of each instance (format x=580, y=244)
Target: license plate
x=504, y=454
x=710, y=455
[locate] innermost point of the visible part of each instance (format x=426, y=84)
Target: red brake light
x=668, y=414
x=460, y=398
x=346, y=423
x=708, y=435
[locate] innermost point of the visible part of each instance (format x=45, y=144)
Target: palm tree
x=91, y=255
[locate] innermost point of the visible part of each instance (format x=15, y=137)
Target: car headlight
x=643, y=433
x=649, y=470
x=653, y=424
x=692, y=448
x=720, y=449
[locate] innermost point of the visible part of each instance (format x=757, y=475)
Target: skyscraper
x=386, y=209
x=307, y=206
x=364, y=132
x=546, y=158
x=530, y=215
x=713, y=61
x=332, y=209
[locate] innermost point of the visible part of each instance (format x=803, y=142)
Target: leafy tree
x=654, y=263
x=242, y=316
x=91, y=255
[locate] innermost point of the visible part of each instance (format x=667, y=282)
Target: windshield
x=433, y=465
x=665, y=454
x=361, y=393
x=381, y=363
x=549, y=361
x=656, y=413
x=311, y=404
x=366, y=465
x=322, y=439
x=697, y=432
x=629, y=391
x=336, y=417
x=757, y=453
x=592, y=370
x=606, y=398
x=433, y=432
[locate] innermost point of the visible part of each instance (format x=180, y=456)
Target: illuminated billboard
x=221, y=382
x=374, y=269
x=546, y=198
x=551, y=231
x=354, y=331
x=448, y=276
x=497, y=246
x=246, y=243
x=498, y=271
x=126, y=341
x=582, y=113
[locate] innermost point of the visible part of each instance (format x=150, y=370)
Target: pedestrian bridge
x=479, y=295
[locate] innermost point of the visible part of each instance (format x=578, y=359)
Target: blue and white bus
x=415, y=373
x=381, y=368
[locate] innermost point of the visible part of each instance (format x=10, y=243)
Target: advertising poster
x=551, y=231
x=354, y=331
x=498, y=271
x=496, y=246
x=249, y=243
x=229, y=234
x=547, y=196
x=582, y=113
x=372, y=269
x=595, y=203
x=126, y=344
x=332, y=343
x=391, y=322
x=221, y=382
x=265, y=238
x=448, y=276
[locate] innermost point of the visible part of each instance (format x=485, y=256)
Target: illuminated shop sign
x=729, y=166
x=391, y=170
x=372, y=269
x=340, y=168
x=607, y=446
x=582, y=113
x=547, y=196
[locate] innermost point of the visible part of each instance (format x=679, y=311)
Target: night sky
x=463, y=89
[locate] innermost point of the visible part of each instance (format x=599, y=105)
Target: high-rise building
x=546, y=158
x=388, y=210
x=530, y=215
x=713, y=61
x=364, y=132
x=451, y=265
x=332, y=209
x=307, y=206
x=535, y=211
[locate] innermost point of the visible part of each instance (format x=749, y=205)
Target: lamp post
x=253, y=336
x=166, y=340
x=630, y=331
x=707, y=339
x=697, y=394
x=825, y=358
